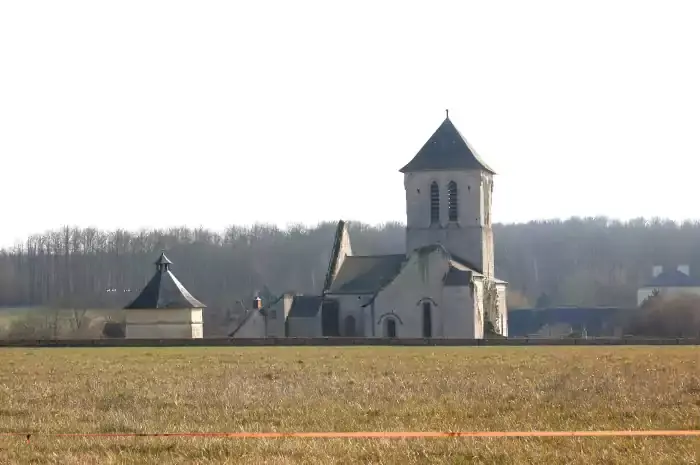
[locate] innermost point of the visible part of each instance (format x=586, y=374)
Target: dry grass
x=349, y=389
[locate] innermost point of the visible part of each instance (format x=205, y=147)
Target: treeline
x=593, y=261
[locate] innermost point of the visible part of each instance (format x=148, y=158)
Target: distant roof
x=305, y=306
x=673, y=278
x=446, y=149
x=366, y=274
x=164, y=291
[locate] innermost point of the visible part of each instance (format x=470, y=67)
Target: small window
x=434, y=203
x=452, y=206
x=273, y=314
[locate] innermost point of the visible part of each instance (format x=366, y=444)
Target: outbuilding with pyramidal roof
x=164, y=309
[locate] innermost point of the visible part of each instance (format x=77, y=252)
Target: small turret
x=163, y=263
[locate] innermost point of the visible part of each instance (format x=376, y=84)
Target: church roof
x=446, y=149
x=465, y=263
x=164, y=290
x=366, y=274
x=457, y=277
x=305, y=306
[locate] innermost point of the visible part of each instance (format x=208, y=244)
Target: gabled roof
x=164, y=291
x=446, y=149
x=366, y=274
x=305, y=306
x=673, y=278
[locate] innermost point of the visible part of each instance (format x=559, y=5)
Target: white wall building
x=164, y=309
x=672, y=282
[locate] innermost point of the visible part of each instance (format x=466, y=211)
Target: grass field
x=349, y=389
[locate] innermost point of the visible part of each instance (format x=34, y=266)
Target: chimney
x=685, y=269
x=657, y=270
x=257, y=303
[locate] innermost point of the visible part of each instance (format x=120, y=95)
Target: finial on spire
x=447, y=114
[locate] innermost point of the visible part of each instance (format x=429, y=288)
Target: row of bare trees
x=591, y=261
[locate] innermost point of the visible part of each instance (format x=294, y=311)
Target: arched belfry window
x=434, y=203
x=452, y=201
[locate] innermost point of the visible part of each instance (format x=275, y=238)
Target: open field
x=349, y=389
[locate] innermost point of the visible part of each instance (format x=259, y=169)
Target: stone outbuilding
x=164, y=309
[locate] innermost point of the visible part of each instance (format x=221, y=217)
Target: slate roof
x=446, y=149
x=366, y=274
x=466, y=263
x=457, y=277
x=164, y=290
x=305, y=306
x=673, y=278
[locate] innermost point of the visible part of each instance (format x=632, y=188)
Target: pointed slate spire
x=446, y=149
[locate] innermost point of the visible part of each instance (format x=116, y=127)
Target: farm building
x=669, y=283
x=164, y=309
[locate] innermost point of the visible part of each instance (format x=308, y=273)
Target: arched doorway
x=390, y=327
x=350, y=326
x=427, y=320
x=330, y=318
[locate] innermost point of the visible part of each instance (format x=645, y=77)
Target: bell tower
x=448, y=199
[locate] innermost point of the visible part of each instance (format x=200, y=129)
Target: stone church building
x=443, y=286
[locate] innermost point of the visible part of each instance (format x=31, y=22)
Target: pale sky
x=161, y=113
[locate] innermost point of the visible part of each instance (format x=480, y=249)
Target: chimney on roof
x=685, y=269
x=257, y=303
x=657, y=270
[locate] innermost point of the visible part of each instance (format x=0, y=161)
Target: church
x=443, y=286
